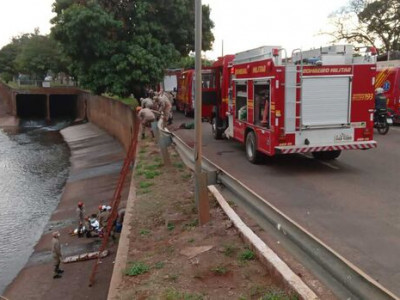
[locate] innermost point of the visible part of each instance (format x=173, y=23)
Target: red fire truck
x=186, y=91
x=320, y=101
x=388, y=78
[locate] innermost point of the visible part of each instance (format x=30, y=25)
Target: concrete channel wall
x=114, y=117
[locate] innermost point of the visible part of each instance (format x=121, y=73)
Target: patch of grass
x=179, y=165
x=173, y=294
x=145, y=184
x=144, y=191
x=137, y=268
x=186, y=176
x=247, y=254
x=219, y=270
x=191, y=240
x=194, y=223
x=152, y=167
x=278, y=295
x=151, y=174
x=158, y=160
x=139, y=172
x=229, y=250
x=170, y=226
x=142, y=150
x=159, y=265
x=144, y=232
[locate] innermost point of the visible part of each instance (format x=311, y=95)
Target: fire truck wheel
x=217, y=132
x=251, y=148
x=327, y=155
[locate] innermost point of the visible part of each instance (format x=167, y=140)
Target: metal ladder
x=291, y=87
x=129, y=159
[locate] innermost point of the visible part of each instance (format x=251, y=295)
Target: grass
x=151, y=174
x=137, y=268
x=170, y=226
x=278, y=295
x=144, y=232
x=179, y=165
x=159, y=265
x=145, y=184
x=173, y=294
x=219, y=270
x=132, y=102
x=247, y=254
x=229, y=250
x=192, y=224
x=186, y=176
x=153, y=167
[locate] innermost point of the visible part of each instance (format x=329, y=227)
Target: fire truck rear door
x=325, y=101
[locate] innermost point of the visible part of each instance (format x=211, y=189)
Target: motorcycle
x=382, y=120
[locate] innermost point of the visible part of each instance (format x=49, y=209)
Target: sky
x=240, y=24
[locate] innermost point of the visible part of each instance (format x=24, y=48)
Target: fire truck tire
x=327, y=155
x=216, y=131
x=251, y=148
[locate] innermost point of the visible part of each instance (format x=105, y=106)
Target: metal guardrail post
x=163, y=139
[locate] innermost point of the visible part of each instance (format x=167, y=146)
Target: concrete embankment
x=97, y=152
x=96, y=160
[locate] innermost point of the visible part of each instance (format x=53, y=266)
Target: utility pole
x=201, y=194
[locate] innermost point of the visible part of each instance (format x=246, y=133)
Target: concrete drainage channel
x=343, y=278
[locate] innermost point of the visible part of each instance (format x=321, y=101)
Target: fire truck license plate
x=343, y=138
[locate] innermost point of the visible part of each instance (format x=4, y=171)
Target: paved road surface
x=352, y=203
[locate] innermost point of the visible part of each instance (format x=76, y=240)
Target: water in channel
x=34, y=163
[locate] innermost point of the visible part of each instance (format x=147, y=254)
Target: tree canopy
x=118, y=45
x=371, y=23
x=31, y=54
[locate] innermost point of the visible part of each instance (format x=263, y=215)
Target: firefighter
x=164, y=107
x=103, y=216
x=80, y=212
x=146, y=116
x=56, y=251
x=146, y=103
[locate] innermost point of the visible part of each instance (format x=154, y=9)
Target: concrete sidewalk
x=96, y=160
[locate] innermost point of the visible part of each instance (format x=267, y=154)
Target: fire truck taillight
x=275, y=52
x=232, y=70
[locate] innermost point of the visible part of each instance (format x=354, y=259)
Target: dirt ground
x=171, y=256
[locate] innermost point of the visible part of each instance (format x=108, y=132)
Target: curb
x=267, y=255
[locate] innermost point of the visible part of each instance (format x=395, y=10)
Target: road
x=352, y=203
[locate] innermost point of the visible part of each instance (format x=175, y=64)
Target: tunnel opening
x=63, y=106
x=31, y=106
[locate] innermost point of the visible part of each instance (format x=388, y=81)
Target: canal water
x=34, y=162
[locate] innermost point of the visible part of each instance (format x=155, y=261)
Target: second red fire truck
x=320, y=101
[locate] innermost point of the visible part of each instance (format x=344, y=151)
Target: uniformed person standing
x=164, y=106
x=56, y=251
x=80, y=213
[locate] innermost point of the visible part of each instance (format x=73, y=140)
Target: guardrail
x=346, y=280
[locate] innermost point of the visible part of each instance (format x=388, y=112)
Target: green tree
x=39, y=55
x=8, y=55
x=117, y=46
x=366, y=22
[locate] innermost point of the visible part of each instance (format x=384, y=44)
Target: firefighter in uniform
x=56, y=251
x=164, y=107
x=146, y=117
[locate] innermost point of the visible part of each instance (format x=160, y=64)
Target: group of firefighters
x=152, y=108
x=92, y=226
